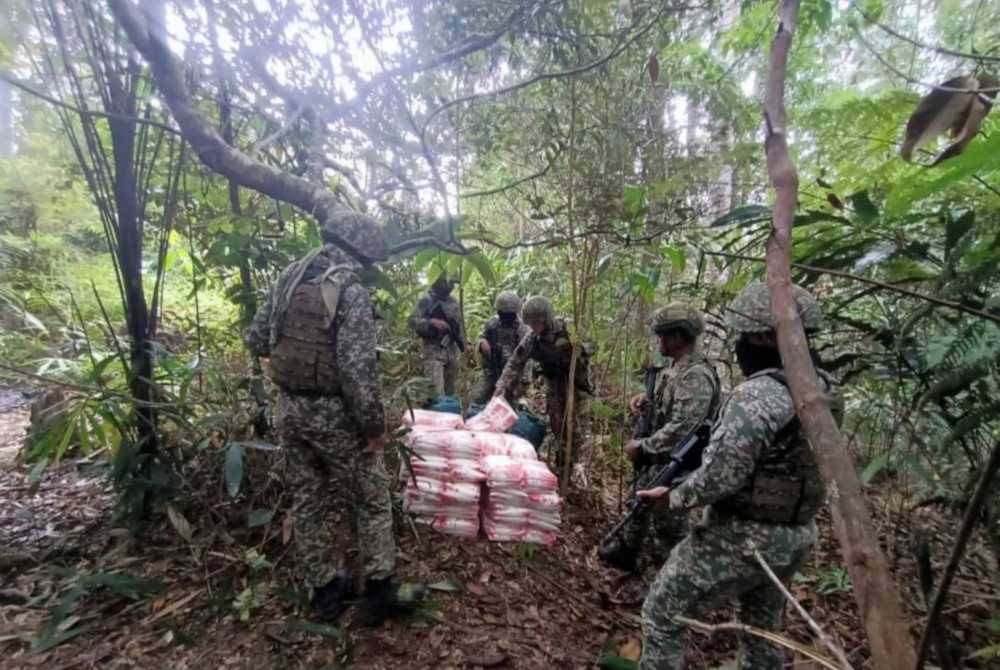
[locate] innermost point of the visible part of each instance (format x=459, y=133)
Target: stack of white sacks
x=464, y=472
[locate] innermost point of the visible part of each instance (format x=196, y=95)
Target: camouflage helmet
x=750, y=310
x=358, y=234
x=677, y=316
x=507, y=301
x=537, y=309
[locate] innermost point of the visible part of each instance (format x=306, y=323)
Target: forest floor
x=494, y=605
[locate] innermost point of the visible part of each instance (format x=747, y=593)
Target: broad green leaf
x=678, y=259
x=873, y=468
x=743, y=215
x=372, y=276
x=314, y=628
x=259, y=517
x=864, y=207
x=35, y=476
x=482, y=265
x=634, y=197
x=447, y=585
x=956, y=228
x=233, y=469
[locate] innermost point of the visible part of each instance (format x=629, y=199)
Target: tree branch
x=770, y=636
x=968, y=523
x=958, y=307
x=28, y=88
x=211, y=148
x=878, y=599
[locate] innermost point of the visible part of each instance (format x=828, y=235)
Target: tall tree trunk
x=877, y=596
x=123, y=136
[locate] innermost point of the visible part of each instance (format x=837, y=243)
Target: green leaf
x=634, y=197
x=482, y=265
x=53, y=639
x=372, y=276
x=35, y=476
x=315, y=628
x=447, y=585
x=992, y=651
x=863, y=206
x=874, y=467
x=678, y=259
x=615, y=662
x=743, y=215
x=603, y=410
x=259, y=517
x=425, y=258
x=233, y=469
x=957, y=228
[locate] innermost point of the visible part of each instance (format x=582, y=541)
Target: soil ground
x=494, y=605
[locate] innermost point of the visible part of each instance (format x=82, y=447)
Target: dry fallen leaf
x=959, y=113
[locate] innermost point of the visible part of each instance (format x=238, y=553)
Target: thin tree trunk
x=877, y=596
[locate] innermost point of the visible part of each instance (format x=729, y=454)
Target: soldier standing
x=762, y=488
x=548, y=342
x=686, y=393
x=437, y=319
x=317, y=327
x=501, y=334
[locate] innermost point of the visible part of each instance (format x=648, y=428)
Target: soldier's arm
x=515, y=364
x=356, y=360
x=729, y=460
x=692, y=398
x=420, y=321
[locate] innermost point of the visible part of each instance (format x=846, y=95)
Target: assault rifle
x=685, y=458
x=496, y=360
x=645, y=427
x=437, y=311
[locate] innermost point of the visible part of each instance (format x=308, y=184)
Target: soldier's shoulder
x=763, y=391
x=491, y=323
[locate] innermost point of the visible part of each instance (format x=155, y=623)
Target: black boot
x=385, y=599
x=333, y=598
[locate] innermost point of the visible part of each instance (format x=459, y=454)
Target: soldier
x=318, y=329
x=686, y=394
x=501, y=334
x=549, y=343
x=437, y=319
x=762, y=488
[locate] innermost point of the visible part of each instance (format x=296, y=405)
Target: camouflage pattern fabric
x=332, y=476
x=439, y=352
x=508, y=337
x=715, y=562
x=685, y=395
x=325, y=435
x=550, y=348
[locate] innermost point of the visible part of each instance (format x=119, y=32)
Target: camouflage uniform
x=552, y=349
x=325, y=431
x=506, y=336
x=440, y=353
x=686, y=393
x=755, y=439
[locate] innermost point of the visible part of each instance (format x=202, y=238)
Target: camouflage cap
x=678, y=316
x=358, y=234
x=750, y=310
x=507, y=301
x=537, y=309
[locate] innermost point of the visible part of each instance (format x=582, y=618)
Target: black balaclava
x=755, y=357
x=507, y=318
x=441, y=287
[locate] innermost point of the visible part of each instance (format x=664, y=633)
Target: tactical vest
x=554, y=357
x=305, y=358
x=786, y=486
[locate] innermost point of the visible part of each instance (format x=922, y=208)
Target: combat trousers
x=711, y=565
x=486, y=385
x=441, y=366
x=331, y=475
x=661, y=529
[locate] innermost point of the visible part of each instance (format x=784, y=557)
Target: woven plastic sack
x=526, y=499
x=444, y=469
x=426, y=419
x=501, y=532
x=459, y=527
x=504, y=472
x=496, y=417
